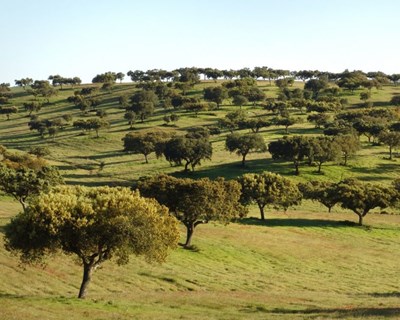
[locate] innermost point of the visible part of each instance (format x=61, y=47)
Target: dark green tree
x=215, y=94
x=293, y=149
x=144, y=143
x=242, y=145
x=195, y=202
x=143, y=103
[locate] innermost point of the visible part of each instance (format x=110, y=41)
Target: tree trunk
x=319, y=167
x=145, y=158
x=22, y=202
x=262, y=212
x=360, y=219
x=345, y=159
x=296, y=167
x=87, y=276
x=187, y=166
x=189, y=234
x=243, y=160
x=390, y=153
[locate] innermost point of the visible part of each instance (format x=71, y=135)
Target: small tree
x=195, y=202
x=323, y=192
x=39, y=151
x=291, y=149
x=215, y=94
x=324, y=149
x=239, y=100
x=24, y=183
x=268, y=189
x=32, y=107
x=391, y=139
x=143, y=103
x=190, y=149
x=96, y=125
x=361, y=197
x=8, y=111
x=131, y=117
x=244, y=144
x=144, y=143
x=95, y=224
x=286, y=121
x=349, y=145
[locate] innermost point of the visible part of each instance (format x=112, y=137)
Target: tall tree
x=268, y=189
x=195, y=202
x=95, y=224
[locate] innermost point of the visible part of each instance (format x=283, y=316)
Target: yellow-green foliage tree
x=95, y=224
x=268, y=188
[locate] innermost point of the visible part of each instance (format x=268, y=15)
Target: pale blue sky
x=86, y=37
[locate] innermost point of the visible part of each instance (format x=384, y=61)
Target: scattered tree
x=95, y=224
x=244, y=144
x=361, y=197
x=268, y=189
x=195, y=202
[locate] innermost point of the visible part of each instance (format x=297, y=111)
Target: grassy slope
x=306, y=264
x=79, y=156
x=295, y=266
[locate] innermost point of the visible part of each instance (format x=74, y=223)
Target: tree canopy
x=244, y=144
x=268, y=188
x=361, y=197
x=95, y=224
x=195, y=202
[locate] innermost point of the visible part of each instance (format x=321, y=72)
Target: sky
x=87, y=37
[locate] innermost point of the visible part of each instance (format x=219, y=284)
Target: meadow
x=301, y=264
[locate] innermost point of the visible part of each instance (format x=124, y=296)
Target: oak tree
x=94, y=224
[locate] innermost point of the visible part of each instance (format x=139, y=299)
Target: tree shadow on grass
x=393, y=294
x=391, y=312
x=235, y=169
x=303, y=223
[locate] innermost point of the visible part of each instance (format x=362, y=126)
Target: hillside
x=302, y=264
x=295, y=266
x=79, y=156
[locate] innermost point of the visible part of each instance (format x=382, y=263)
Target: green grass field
x=303, y=264
x=299, y=265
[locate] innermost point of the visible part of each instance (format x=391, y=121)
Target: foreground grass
x=300, y=265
